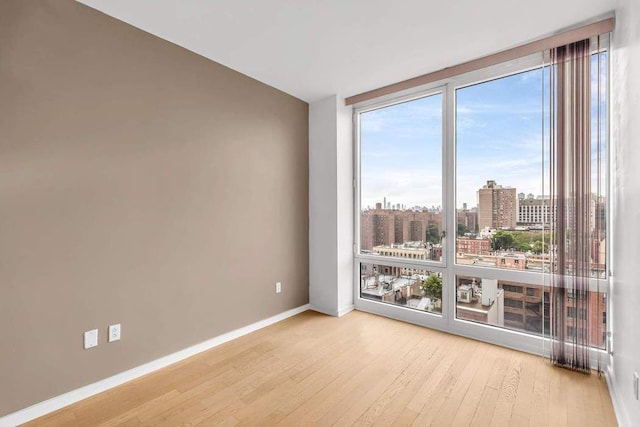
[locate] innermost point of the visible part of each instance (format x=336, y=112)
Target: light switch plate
x=90, y=339
x=278, y=287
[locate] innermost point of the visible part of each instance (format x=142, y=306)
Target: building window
x=573, y=295
x=512, y=317
x=508, y=302
x=512, y=288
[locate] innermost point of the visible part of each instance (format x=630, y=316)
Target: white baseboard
x=345, y=310
x=335, y=313
x=66, y=399
x=618, y=407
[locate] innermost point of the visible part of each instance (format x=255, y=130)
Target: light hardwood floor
x=358, y=369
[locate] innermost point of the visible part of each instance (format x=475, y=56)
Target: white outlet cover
x=114, y=332
x=278, y=287
x=91, y=339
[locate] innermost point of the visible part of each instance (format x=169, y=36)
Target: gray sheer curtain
x=571, y=167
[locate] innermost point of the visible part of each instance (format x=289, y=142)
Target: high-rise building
x=535, y=211
x=497, y=206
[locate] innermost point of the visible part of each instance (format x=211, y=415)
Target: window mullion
x=449, y=211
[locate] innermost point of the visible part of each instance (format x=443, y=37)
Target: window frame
x=424, y=318
x=381, y=259
x=447, y=320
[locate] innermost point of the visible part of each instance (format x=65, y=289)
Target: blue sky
x=401, y=153
x=499, y=137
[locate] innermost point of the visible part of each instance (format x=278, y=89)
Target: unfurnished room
x=332, y=213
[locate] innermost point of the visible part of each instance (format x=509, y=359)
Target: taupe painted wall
x=139, y=184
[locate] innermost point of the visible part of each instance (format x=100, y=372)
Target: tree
x=432, y=286
x=502, y=240
x=432, y=234
x=462, y=229
x=540, y=247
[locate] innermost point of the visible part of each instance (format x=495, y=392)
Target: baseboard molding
x=323, y=311
x=334, y=313
x=345, y=310
x=618, y=406
x=66, y=399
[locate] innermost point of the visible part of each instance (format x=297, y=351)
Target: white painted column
x=330, y=207
x=344, y=190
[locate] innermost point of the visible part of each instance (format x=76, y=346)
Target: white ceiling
x=315, y=48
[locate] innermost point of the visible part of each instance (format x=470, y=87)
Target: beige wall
x=139, y=184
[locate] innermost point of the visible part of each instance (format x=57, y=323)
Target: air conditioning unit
x=465, y=293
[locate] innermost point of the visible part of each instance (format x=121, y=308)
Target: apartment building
x=390, y=226
x=535, y=211
x=497, y=206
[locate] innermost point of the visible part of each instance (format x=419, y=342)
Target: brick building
x=497, y=206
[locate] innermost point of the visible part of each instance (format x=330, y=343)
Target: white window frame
x=447, y=321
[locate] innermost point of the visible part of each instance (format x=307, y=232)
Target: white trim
x=618, y=406
x=344, y=310
x=335, y=313
x=58, y=402
x=400, y=97
x=314, y=307
x=390, y=261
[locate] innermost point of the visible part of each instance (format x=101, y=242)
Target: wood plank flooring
x=360, y=369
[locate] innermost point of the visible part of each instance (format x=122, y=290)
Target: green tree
x=462, y=229
x=524, y=240
x=521, y=239
x=540, y=247
x=432, y=234
x=502, y=240
x=432, y=286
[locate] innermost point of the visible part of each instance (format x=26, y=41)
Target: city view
x=503, y=210
x=513, y=236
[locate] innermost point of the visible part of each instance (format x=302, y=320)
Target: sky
x=499, y=136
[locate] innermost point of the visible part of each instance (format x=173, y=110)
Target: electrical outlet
x=278, y=287
x=114, y=332
x=90, y=339
x=635, y=385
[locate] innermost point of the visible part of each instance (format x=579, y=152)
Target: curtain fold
x=572, y=199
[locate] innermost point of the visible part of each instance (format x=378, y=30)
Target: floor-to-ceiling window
x=453, y=207
x=401, y=203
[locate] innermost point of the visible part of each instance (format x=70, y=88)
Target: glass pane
x=599, y=143
x=401, y=180
x=411, y=287
x=525, y=308
x=503, y=211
